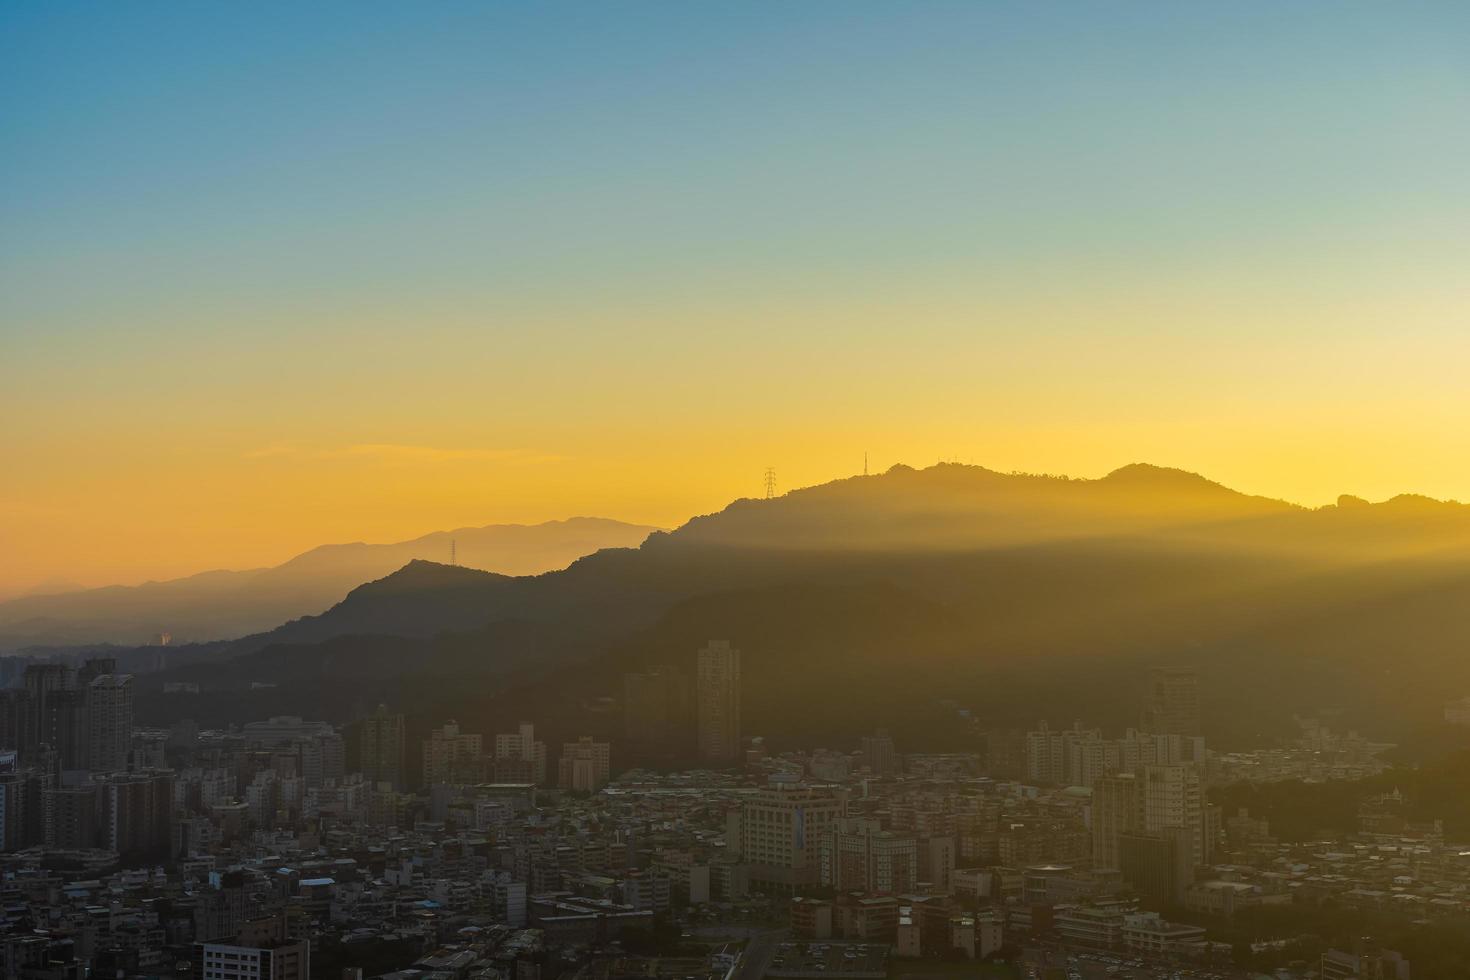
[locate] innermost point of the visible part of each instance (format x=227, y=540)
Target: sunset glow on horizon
x=273, y=282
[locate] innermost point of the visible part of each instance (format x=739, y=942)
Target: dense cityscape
x=734, y=490
x=288, y=847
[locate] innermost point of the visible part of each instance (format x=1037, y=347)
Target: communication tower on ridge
x=770, y=482
x=453, y=552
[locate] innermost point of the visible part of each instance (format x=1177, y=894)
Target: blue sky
x=695, y=239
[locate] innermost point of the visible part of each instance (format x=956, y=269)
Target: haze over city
x=666, y=491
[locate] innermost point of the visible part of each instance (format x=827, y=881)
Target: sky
x=273, y=275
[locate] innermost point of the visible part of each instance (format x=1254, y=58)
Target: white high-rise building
x=778, y=832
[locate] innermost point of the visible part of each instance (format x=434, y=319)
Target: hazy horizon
x=1026, y=443
x=62, y=583
x=268, y=282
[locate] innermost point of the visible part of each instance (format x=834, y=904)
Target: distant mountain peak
x=1149, y=474
x=214, y=605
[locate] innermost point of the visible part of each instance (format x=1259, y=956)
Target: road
x=758, y=953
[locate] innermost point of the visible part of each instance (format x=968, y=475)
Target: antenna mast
x=453, y=556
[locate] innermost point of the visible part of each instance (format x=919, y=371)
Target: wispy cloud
x=403, y=455
x=395, y=453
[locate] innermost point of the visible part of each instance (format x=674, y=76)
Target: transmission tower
x=770, y=482
x=453, y=557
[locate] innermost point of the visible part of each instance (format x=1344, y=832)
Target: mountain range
x=903, y=598
x=224, y=604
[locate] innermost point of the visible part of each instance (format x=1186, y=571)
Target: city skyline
x=734, y=491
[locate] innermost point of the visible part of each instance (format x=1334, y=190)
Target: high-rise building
x=18, y=725
x=1117, y=809
x=519, y=757
x=447, y=751
x=857, y=854
x=72, y=718
x=656, y=705
x=109, y=708
x=1173, y=800
x=1173, y=701
x=73, y=817
x=879, y=754
x=718, y=697
x=1155, y=866
x=380, y=748
x=22, y=813
x=65, y=730
x=1151, y=824
x=319, y=758
x=137, y=813
x=41, y=681
x=1005, y=753
x=778, y=832
x=585, y=765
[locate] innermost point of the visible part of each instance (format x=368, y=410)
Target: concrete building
x=1152, y=825
x=447, y=750
x=718, y=701
x=262, y=952
x=879, y=754
x=857, y=855
x=518, y=754
x=380, y=748
x=109, y=708
x=1369, y=962
x=777, y=834
x=585, y=765
x=73, y=817
x=138, y=814
x=657, y=705
x=1150, y=934
x=1173, y=701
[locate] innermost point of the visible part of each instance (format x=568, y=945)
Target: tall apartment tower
x=447, y=751
x=718, y=697
x=1173, y=701
x=857, y=854
x=879, y=754
x=519, y=757
x=137, y=813
x=1117, y=809
x=109, y=707
x=1151, y=825
x=585, y=765
x=380, y=748
x=656, y=704
x=73, y=718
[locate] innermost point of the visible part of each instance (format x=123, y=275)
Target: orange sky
x=279, y=281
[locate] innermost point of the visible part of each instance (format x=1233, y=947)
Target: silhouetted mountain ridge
x=1016, y=593
x=226, y=604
